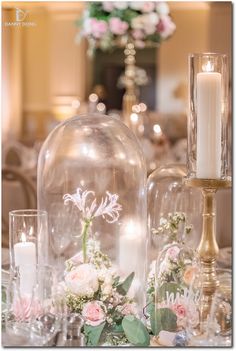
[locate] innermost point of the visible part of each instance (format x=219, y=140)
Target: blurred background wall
x=45, y=72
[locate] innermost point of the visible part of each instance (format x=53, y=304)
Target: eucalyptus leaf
x=123, y=288
x=168, y=319
x=163, y=319
x=135, y=331
x=150, y=307
x=93, y=334
x=117, y=328
x=116, y=281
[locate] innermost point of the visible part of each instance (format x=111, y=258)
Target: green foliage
x=117, y=328
x=4, y=295
x=170, y=287
x=93, y=334
x=116, y=281
x=155, y=38
x=135, y=331
x=96, y=10
x=174, y=226
x=163, y=319
x=123, y=288
x=150, y=308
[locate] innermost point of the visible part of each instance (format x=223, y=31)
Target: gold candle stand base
x=208, y=247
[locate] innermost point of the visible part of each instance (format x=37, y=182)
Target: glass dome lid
x=92, y=182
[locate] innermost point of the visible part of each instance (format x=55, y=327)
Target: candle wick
x=23, y=238
x=208, y=67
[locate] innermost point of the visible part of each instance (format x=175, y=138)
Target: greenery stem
x=85, y=230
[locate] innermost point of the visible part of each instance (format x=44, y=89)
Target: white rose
x=121, y=5
x=136, y=5
x=83, y=280
x=137, y=22
x=150, y=22
x=106, y=289
x=162, y=8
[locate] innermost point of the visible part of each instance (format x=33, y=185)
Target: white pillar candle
x=25, y=259
x=208, y=124
x=130, y=244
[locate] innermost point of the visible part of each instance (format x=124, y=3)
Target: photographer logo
x=20, y=19
x=20, y=15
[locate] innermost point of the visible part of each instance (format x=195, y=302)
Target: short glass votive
x=32, y=315
x=28, y=237
x=208, y=155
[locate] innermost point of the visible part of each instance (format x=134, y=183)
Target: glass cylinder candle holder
x=208, y=147
x=28, y=243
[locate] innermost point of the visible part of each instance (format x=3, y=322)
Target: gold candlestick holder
x=208, y=247
x=129, y=98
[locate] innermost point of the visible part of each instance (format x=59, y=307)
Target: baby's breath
x=171, y=226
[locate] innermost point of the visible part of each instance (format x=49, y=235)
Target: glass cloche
x=92, y=183
x=172, y=207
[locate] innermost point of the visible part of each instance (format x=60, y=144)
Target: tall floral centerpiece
x=136, y=24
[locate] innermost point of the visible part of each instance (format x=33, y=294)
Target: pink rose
x=24, y=308
x=179, y=309
x=98, y=28
x=137, y=34
x=94, y=313
x=140, y=44
x=77, y=259
x=172, y=253
x=165, y=26
x=82, y=280
x=148, y=6
x=117, y=26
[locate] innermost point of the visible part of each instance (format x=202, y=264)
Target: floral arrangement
x=172, y=302
x=92, y=285
x=110, y=24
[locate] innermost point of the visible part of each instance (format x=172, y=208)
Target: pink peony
x=98, y=28
x=24, y=308
x=117, y=26
x=165, y=26
x=94, y=313
x=148, y=6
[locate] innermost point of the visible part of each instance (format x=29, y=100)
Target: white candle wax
x=129, y=253
x=208, y=125
x=25, y=259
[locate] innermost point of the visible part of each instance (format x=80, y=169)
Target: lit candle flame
x=23, y=238
x=208, y=67
x=134, y=118
x=157, y=129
